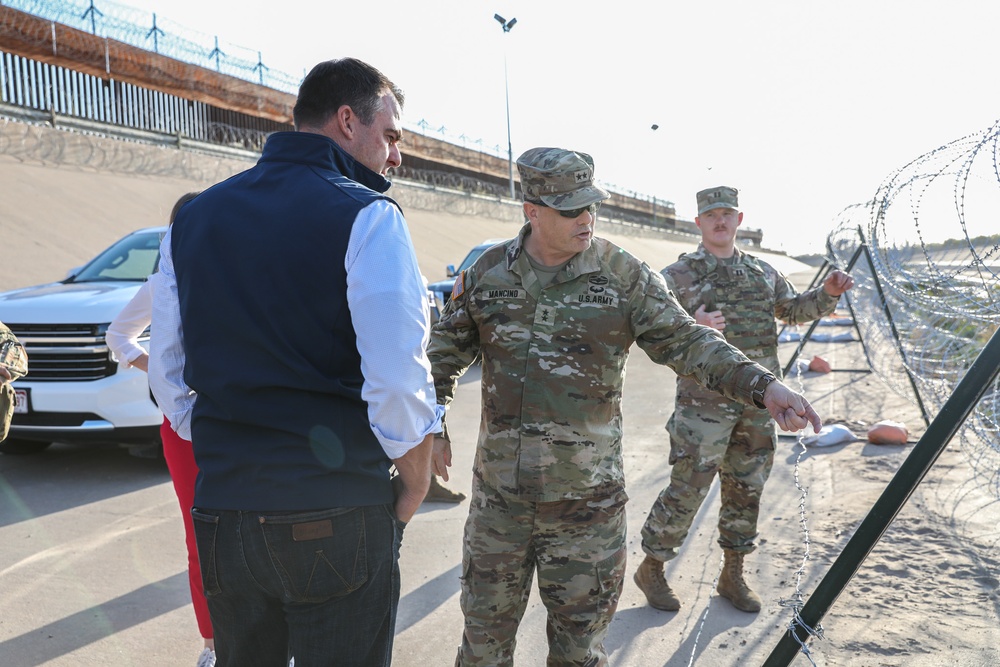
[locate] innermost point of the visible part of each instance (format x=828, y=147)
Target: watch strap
x=760, y=387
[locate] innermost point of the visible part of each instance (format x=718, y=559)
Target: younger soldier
x=553, y=313
x=732, y=291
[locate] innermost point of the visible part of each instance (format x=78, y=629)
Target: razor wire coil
x=930, y=229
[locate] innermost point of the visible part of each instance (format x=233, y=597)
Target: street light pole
x=654, y=127
x=507, y=25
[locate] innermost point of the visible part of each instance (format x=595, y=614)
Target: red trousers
x=184, y=471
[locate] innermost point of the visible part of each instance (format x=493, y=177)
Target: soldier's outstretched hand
x=441, y=457
x=837, y=283
x=790, y=410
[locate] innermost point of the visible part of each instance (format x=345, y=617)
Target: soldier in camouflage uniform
x=552, y=313
x=739, y=294
x=13, y=364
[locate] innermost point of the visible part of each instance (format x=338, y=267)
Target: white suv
x=75, y=391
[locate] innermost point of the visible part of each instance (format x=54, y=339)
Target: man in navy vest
x=289, y=335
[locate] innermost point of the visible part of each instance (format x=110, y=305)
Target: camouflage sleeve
x=794, y=308
x=668, y=278
x=12, y=354
x=454, y=343
x=671, y=337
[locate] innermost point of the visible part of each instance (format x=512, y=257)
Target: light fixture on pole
x=507, y=25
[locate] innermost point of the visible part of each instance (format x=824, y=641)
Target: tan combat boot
x=733, y=587
x=441, y=494
x=649, y=578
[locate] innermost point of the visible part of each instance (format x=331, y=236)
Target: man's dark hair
x=334, y=83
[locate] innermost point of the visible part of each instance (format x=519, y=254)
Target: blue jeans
x=322, y=585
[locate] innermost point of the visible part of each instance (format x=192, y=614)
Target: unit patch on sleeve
x=458, y=289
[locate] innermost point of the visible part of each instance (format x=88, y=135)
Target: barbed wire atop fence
x=932, y=234
x=158, y=34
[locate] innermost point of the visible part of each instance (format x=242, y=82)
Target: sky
x=805, y=107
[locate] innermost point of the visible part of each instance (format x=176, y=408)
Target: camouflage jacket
x=751, y=294
x=553, y=363
x=15, y=360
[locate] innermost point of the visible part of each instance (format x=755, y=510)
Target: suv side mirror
x=450, y=270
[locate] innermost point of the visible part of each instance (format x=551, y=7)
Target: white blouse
x=124, y=331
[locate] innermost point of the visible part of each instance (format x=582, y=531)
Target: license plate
x=21, y=401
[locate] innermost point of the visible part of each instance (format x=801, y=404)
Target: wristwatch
x=759, y=387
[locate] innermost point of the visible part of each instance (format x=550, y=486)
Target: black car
x=442, y=288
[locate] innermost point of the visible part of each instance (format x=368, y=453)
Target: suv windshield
x=473, y=255
x=133, y=258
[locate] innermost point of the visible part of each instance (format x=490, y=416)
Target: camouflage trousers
x=578, y=549
x=708, y=438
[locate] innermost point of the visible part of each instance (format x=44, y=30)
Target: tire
x=18, y=447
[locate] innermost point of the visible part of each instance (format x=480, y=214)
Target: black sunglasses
x=574, y=212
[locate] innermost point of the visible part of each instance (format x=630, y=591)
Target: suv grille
x=65, y=352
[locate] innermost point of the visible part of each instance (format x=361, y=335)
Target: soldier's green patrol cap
x=719, y=197
x=559, y=178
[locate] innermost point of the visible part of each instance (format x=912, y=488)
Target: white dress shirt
x=388, y=303
x=124, y=331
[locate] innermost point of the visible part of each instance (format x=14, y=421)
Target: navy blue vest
x=279, y=423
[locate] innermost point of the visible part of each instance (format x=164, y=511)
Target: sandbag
x=833, y=434
x=819, y=365
x=888, y=433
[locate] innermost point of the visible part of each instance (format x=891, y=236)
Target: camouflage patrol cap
x=718, y=197
x=559, y=178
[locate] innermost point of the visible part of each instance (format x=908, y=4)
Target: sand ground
x=91, y=546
